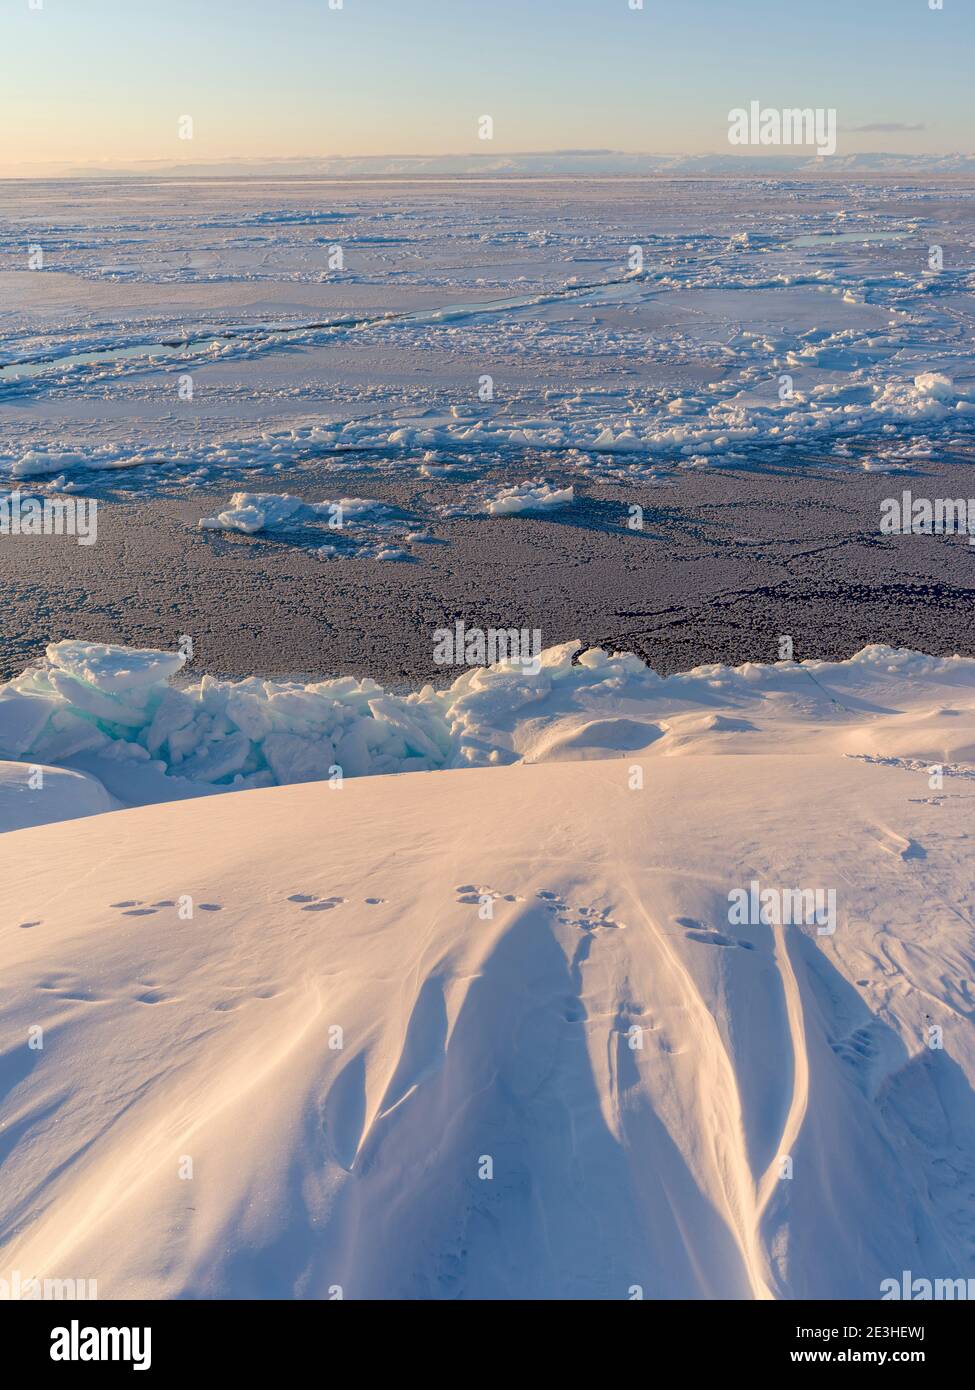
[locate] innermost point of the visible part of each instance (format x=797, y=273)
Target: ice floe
x=528, y=497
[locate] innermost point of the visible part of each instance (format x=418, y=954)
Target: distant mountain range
x=542, y=163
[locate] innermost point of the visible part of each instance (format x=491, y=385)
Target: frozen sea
x=492, y=375
x=322, y=420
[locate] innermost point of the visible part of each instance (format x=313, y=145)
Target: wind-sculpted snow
x=489, y=1031
x=494, y=1033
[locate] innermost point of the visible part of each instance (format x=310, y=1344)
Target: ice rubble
x=371, y=521
x=273, y=511
x=91, y=701
x=689, y=425
x=528, y=497
x=116, y=703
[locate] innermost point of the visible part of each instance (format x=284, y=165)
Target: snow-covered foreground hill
x=502, y=1032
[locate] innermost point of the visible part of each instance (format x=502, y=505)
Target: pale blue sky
x=108, y=79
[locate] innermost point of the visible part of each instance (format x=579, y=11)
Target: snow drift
x=493, y=1031
x=489, y=1033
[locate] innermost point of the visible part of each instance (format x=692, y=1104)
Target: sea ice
x=528, y=497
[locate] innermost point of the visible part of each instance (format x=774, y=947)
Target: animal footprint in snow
x=135, y=907
x=470, y=893
x=869, y=1050
x=484, y=899
x=311, y=903
x=593, y=919
x=151, y=996
x=588, y=918
x=709, y=936
x=69, y=987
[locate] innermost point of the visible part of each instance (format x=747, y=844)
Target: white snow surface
x=37, y=795
x=384, y=986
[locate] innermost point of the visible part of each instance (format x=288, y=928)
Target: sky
x=108, y=80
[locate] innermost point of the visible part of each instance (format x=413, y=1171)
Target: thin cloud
x=886, y=127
